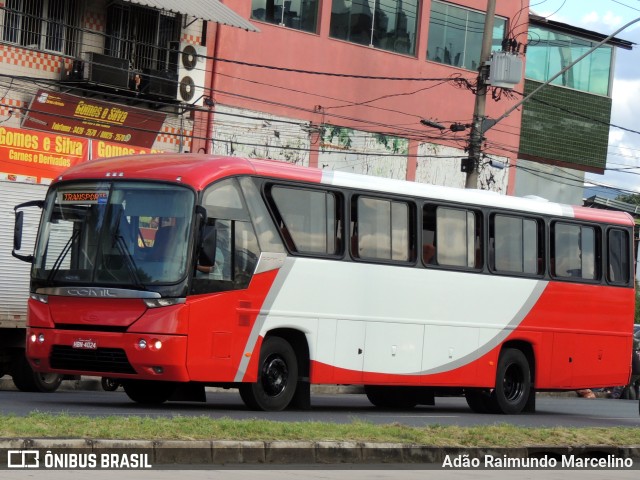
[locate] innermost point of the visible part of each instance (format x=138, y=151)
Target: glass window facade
x=550, y=51
x=385, y=24
x=455, y=35
x=296, y=14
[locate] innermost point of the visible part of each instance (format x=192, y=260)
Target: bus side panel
x=587, y=335
x=219, y=329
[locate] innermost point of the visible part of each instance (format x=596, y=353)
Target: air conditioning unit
x=191, y=73
x=106, y=70
x=72, y=71
x=159, y=83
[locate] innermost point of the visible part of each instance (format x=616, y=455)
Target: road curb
x=225, y=452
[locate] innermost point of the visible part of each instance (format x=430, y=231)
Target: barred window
x=51, y=25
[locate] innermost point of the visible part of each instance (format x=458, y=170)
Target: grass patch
x=41, y=425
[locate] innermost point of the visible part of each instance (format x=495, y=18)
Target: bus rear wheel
x=513, y=386
x=277, y=377
x=513, y=382
x=149, y=392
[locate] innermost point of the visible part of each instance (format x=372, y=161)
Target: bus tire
x=480, y=400
x=277, y=377
x=109, y=384
x=26, y=380
x=390, y=397
x=149, y=392
x=513, y=382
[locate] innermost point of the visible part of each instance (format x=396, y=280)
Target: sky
x=605, y=17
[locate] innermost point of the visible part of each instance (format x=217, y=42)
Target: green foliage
x=630, y=198
x=44, y=425
x=343, y=134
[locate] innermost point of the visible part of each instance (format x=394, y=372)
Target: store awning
x=209, y=10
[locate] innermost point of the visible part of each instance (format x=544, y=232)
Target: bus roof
x=200, y=170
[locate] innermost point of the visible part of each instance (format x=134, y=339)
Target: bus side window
x=458, y=237
x=516, y=244
x=618, y=261
x=229, y=248
x=429, y=235
x=575, y=251
x=384, y=229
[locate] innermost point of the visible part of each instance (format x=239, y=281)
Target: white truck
x=14, y=288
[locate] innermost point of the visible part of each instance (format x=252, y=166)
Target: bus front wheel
x=277, y=377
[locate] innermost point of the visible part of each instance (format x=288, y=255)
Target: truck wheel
x=277, y=377
x=26, y=380
x=149, y=392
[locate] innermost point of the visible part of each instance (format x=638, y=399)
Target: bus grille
x=106, y=360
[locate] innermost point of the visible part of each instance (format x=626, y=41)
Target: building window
x=144, y=36
x=51, y=25
x=297, y=14
x=386, y=24
x=549, y=52
x=455, y=35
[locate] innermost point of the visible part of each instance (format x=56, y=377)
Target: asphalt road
x=551, y=411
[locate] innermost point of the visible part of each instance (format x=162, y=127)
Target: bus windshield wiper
x=129, y=260
x=58, y=263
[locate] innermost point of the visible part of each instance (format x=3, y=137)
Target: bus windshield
x=130, y=234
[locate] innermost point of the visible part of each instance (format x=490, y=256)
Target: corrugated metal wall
x=14, y=274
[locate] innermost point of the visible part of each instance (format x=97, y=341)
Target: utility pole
x=477, y=134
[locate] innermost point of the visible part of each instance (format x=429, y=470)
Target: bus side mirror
x=207, y=255
x=18, y=228
x=17, y=231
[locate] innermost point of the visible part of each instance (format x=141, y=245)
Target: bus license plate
x=85, y=344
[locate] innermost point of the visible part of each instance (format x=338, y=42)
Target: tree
x=631, y=198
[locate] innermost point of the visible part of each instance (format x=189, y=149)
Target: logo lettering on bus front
x=90, y=292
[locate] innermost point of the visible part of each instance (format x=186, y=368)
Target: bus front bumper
x=118, y=355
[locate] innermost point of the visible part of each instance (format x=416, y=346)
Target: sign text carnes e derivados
x=34, y=148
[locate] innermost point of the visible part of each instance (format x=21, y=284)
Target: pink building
x=397, y=63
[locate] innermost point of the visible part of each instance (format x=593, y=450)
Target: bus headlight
x=142, y=344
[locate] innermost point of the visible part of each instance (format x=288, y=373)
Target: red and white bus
x=175, y=272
